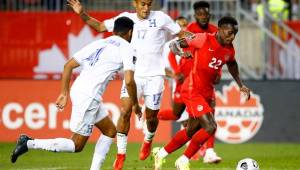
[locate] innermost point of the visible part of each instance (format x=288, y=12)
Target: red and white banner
x=28, y=106
x=44, y=43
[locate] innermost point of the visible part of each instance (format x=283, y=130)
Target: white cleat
x=211, y=157
x=182, y=165
x=158, y=161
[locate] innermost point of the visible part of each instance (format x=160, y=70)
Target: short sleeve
x=197, y=41
x=86, y=51
x=128, y=58
x=171, y=26
x=231, y=55
x=109, y=23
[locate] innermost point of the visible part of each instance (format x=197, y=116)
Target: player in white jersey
x=99, y=60
x=149, y=36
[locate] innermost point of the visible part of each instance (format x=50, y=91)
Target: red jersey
x=209, y=57
x=185, y=64
x=195, y=28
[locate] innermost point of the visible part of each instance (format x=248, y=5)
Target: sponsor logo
x=238, y=121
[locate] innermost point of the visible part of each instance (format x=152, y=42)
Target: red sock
x=210, y=142
x=177, y=141
x=166, y=114
x=198, y=139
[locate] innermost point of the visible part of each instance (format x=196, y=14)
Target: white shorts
x=150, y=88
x=85, y=113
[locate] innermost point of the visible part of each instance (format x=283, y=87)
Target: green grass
x=269, y=156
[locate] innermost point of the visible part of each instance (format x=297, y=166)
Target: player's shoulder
x=127, y=14
x=159, y=14
x=212, y=27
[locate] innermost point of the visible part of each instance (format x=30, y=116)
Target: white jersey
x=148, y=39
x=100, y=60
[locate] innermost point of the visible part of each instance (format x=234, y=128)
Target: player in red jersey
x=211, y=52
x=202, y=17
x=182, y=70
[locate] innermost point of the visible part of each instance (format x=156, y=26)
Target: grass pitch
x=270, y=156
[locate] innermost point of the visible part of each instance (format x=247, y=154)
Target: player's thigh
x=178, y=108
x=85, y=115
x=192, y=126
x=153, y=92
x=139, y=87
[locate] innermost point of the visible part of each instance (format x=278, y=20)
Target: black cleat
x=20, y=148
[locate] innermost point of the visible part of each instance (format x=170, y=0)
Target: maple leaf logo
x=51, y=61
x=237, y=121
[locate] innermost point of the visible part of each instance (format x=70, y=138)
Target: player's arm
x=234, y=71
x=61, y=101
x=132, y=92
x=78, y=9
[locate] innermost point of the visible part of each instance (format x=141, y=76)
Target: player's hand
x=245, y=91
x=137, y=110
x=61, y=102
x=76, y=6
x=179, y=77
x=175, y=48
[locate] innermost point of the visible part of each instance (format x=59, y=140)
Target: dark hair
x=227, y=20
x=180, y=17
x=200, y=4
x=122, y=25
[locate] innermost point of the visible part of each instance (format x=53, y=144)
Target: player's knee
x=111, y=132
x=211, y=128
x=78, y=147
x=190, y=132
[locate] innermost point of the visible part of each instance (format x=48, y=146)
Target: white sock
x=54, y=145
x=101, y=149
x=148, y=135
x=121, y=143
x=162, y=153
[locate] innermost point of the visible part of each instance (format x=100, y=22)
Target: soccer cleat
x=180, y=165
x=158, y=162
x=119, y=162
x=20, y=148
x=145, y=150
x=211, y=157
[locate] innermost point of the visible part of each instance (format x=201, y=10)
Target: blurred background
x=38, y=36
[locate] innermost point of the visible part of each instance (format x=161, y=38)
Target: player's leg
x=179, y=139
x=123, y=126
x=108, y=133
x=152, y=89
x=209, y=126
x=171, y=114
x=149, y=131
x=102, y=146
x=177, y=107
x=81, y=125
x=210, y=155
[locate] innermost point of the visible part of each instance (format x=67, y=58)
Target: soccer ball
x=247, y=164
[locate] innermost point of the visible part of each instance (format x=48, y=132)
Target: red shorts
x=197, y=105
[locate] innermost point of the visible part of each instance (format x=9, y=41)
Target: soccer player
x=100, y=60
x=149, y=36
x=182, y=70
x=211, y=52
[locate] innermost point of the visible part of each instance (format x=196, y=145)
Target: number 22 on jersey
x=215, y=63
